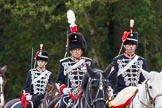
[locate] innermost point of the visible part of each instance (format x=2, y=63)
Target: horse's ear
x=107, y=70
x=145, y=73
x=90, y=71
x=3, y=69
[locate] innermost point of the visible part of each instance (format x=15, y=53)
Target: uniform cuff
x=61, y=88
x=72, y=97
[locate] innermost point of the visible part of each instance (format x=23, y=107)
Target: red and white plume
x=71, y=20
x=131, y=26
x=41, y=47
x=40, y=50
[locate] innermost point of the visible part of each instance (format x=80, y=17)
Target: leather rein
x=151, y=99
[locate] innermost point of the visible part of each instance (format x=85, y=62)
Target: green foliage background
x=24, y=24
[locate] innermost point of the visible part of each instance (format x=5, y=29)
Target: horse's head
x=52, y=92
x=96, y=90
x=2, y=83
x=151, y=89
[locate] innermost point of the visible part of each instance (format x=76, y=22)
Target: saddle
x=74, y=96
x=124, y=97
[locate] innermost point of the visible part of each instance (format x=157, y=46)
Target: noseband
x=150, y=99
x=100, y=89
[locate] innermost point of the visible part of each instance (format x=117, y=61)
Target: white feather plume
x=131, y=23
x=71, y=17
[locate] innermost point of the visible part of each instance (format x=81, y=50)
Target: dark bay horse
x=51, y=93
x=2, y=84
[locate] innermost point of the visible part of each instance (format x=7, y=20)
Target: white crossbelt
x=74, y=66
x=128, y=65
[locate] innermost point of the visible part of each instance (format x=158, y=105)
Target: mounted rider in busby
x=72, y=68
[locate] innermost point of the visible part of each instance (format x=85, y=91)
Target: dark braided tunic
x=130, y=77
x=74, y=77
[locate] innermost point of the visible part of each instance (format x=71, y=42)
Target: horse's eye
x=150, y=87
x=105, y=82
x=93, y=83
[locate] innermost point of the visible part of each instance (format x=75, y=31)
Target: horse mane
x=89, y=74
x=97, y=70
x=108, y=69
x=153, y=73
x=51, y=92
x=2, y=73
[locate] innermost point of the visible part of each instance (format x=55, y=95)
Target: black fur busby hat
x=132, y=39
x=77, y=40
x=42, y=55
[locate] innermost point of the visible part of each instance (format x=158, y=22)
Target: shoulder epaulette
x=64, y=59
x=86, y=58
x=49, y=71
x=118, y=56
x=141, y=57
x=32, y=69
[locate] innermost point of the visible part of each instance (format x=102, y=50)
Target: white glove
x=66, y=91
x=110, y=92
x=29, y=97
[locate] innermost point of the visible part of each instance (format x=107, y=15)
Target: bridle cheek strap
x=151, y=100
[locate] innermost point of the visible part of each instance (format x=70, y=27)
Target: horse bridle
x=100, y=89
x=151, y=99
